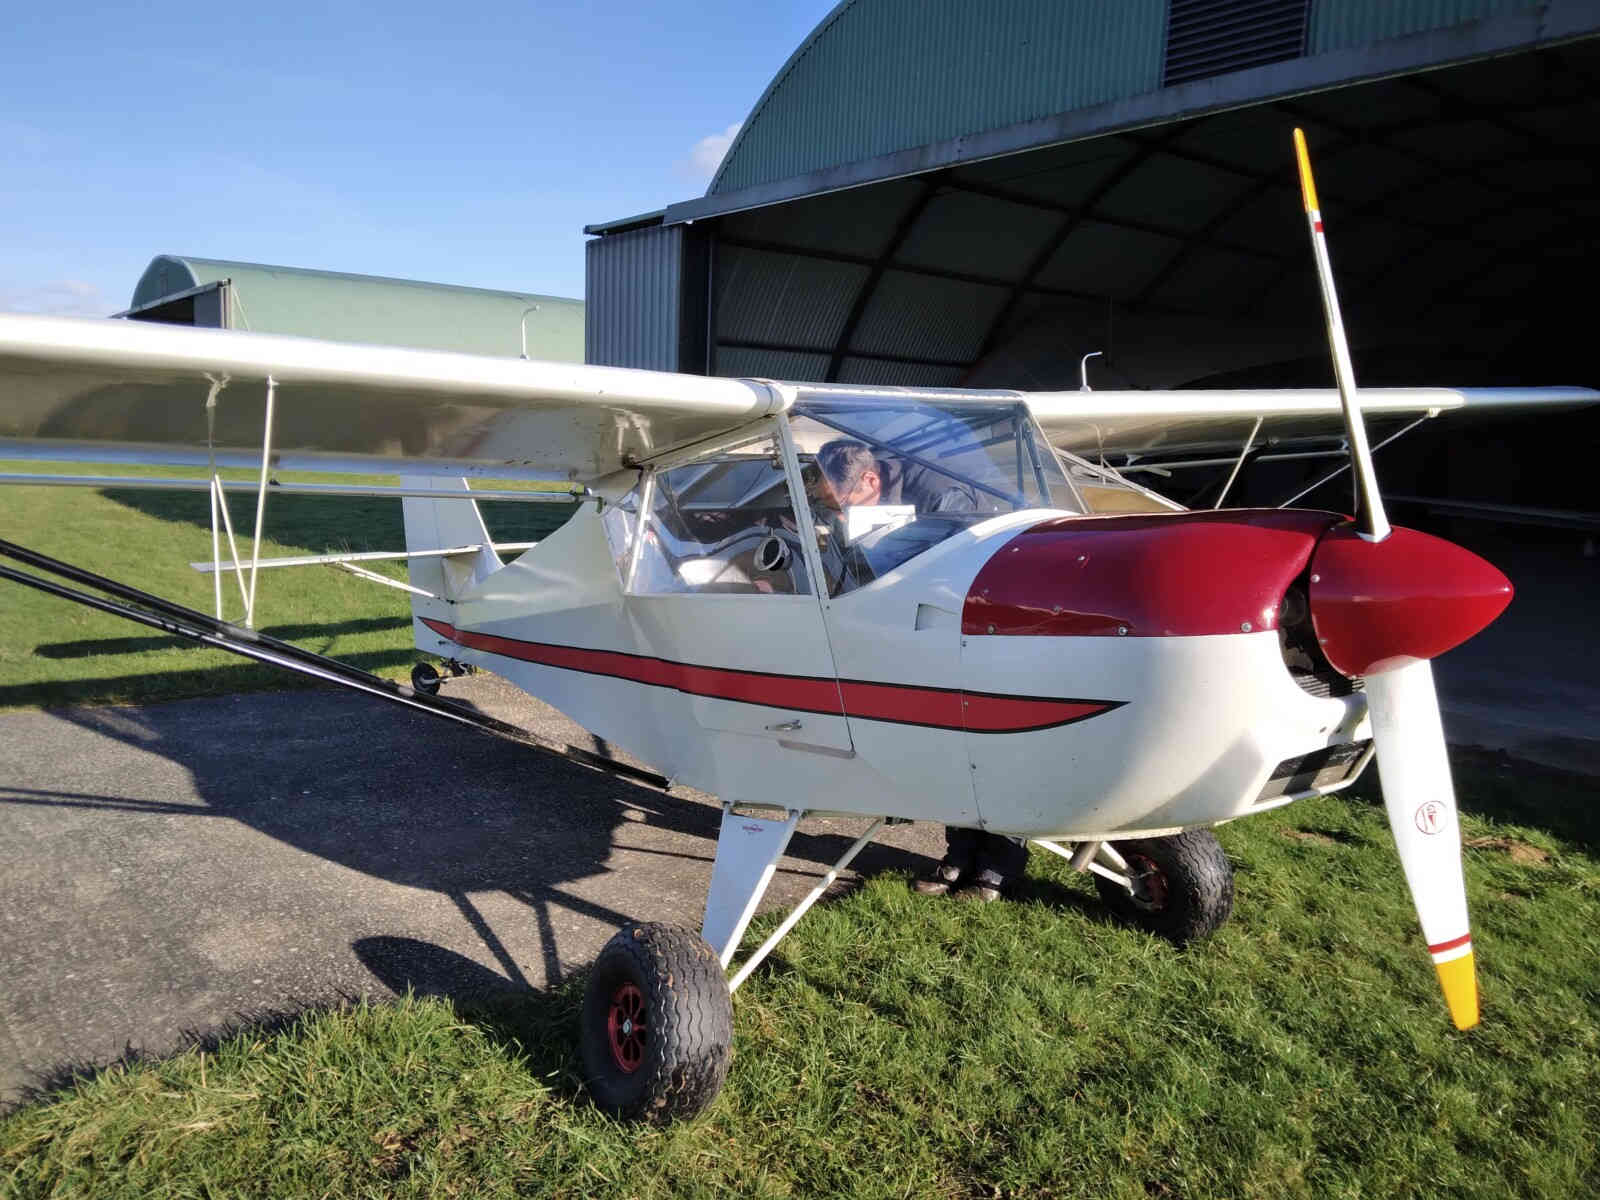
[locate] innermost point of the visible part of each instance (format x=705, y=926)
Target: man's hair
x=844, y=461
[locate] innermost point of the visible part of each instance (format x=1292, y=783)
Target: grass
x=892, y=1047
x=53, y=652
x=898, y=1047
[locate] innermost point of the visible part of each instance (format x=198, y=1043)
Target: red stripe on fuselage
x=977, y=712
x=1012, y=714
x=904, y=704
x=747, y=687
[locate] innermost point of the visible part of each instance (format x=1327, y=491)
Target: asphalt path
x=171, y=869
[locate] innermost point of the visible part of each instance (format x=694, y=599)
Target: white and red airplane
x=993, y=631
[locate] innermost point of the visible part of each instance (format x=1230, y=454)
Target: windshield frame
x=972, y=445
x=1015, y=499
x=1026, y=433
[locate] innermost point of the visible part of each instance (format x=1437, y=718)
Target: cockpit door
x=720, y=592
x=896, y=639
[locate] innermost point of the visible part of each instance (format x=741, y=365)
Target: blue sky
x=466, y=143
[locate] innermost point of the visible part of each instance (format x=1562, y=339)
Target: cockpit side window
x=722, y=524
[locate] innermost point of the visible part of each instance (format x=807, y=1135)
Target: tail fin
x=443, y=525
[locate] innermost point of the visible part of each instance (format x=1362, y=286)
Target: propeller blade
x=1421, y=803
x=1406, y=729
x=1371, y=520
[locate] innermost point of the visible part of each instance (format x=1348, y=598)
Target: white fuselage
x=759, y=699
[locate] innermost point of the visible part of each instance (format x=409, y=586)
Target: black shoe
x=984, y=887
x=941, y=882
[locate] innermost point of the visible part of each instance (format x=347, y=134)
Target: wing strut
x=150, y=610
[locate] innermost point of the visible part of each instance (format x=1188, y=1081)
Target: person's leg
x=960, y=854
x=996, y=862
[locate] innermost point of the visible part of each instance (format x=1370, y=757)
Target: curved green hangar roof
x=877, y=76
x=357, y=308
x=939, y=192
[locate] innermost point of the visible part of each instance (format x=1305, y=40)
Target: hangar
x=938, y=193
x=219, y=294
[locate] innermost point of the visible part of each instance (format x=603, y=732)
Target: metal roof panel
x=964, y=232
x=860, y=221
x=738, y=362
x=883, y=75
x=1108, y=260
x=1336, y=24
x=917, y=375
x=767, y=297
x=375, y=310
x=919, y=316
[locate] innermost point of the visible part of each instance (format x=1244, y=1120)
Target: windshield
x=888, y=478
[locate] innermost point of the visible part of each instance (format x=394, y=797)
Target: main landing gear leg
x=657, y=1022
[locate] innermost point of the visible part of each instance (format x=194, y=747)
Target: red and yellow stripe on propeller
x=1378, y=592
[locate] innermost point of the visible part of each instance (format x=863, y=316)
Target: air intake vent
x=1214, y=37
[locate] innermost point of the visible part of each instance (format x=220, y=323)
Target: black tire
x=424, y=678
x=1184, y=888
x=669, y=981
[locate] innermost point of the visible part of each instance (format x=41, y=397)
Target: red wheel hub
x=625, y=1024
x=1149, y=883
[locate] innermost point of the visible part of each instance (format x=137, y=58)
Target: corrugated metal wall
x=634, y=295
x=879, y=76
x=1339, y=24
x=885, y=75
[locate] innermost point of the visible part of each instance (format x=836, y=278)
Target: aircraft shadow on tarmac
x=238, y=676
x=89, y=647
x=415, y=802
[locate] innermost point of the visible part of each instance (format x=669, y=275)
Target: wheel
x=424, y=678
x=1183, y=886
x=657, y=1025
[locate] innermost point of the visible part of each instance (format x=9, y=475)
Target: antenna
x=1083, y=370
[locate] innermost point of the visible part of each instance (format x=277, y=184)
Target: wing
x=1146, y=423
x=137, y=391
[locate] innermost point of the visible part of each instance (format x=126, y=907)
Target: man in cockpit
x=977, y=865
x=853, y=474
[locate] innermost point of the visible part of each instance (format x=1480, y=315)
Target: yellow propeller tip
x=1308, y=186
x=1458, y=978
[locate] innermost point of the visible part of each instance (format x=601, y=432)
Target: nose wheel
x=657, y=1024
x=424, y=678
x=1182, y=886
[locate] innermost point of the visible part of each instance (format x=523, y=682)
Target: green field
x=53, y=652
x=896, y=1046
x=893, y=1046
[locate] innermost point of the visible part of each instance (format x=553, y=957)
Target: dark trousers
x=994, y=859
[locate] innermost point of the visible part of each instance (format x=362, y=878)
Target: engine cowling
x=1181, y=574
